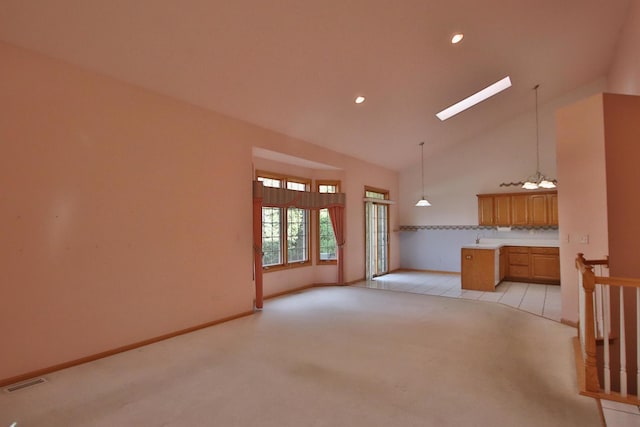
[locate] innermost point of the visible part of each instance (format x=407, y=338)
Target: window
x=285, y=235
x=326, y=247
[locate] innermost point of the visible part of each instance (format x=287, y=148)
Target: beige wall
x=127, y=215
x=582, y=193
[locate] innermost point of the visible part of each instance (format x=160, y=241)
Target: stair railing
x=595, y=326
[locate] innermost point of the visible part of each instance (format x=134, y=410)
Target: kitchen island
x=485, y=264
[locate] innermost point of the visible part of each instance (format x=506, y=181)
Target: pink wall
x=624, y=72
x=582, y=193
x=622, y=133
x=127, y=215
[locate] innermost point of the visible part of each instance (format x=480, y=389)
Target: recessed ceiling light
x=457, y=38
x=474, y=99
x=359, y=99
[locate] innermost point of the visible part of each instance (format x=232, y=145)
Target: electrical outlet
x=584, y=239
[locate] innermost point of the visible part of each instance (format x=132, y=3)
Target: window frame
x=284, y=237
x=319, y=261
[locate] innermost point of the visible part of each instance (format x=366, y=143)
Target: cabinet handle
x=468, y=257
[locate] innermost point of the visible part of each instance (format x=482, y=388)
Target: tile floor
x=541, y=300
x=620, y=414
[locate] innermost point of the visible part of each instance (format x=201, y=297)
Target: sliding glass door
x=376, y=233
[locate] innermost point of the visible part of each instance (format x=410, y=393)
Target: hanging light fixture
x=423, y=201
x=538, y=180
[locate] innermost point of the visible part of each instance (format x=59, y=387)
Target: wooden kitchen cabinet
x=552, y=206
x=494, y=210
x=537, y=209
x=518, y=263
x=503, y=263
x=478, y=269
x=545, y=264
x=502, y=210
x=533, y=264
x=485, y=210
x=520, y=209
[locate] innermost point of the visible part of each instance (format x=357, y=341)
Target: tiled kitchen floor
x=542, y=300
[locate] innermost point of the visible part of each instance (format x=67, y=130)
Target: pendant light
x=423, y=201
x=538, y=180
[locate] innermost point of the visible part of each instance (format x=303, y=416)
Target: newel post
x=591, y=368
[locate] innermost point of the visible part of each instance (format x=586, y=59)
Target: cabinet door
x=552, y=207
x=545, y=267
x=503, y=263
x=538, y=212
x=502, y=210
x=467, y=275
x=520, y=209
x=485, y=210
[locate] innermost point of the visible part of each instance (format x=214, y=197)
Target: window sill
x=286, y=266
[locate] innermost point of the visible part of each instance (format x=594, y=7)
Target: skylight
x=474, y=99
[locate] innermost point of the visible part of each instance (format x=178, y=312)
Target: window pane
x=297, y=231
x=271, y=236
x=299, y=186
x=323, y=188
x=327, y=238
x=270, y=182
x=374, y=195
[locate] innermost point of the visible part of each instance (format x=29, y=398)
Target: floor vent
x=24, y=384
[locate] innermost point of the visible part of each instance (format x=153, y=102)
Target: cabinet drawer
x=545, y=251
x=518, y=249
x=518, y=259
x=519, y=271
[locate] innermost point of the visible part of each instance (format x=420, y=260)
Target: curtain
x=336, y=213
x=257, y=248
x=282, y=198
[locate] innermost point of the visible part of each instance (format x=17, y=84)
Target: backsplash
x=437, y=247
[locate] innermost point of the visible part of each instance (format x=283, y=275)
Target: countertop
x=498, y=243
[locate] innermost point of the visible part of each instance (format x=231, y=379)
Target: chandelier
x=537, y=180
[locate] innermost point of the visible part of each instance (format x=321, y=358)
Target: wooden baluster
x=607, y=333
x=581, y=309
x=591, y=369
x=623, y=347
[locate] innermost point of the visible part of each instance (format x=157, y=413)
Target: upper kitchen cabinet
x=494, y=209
x=552, y=206
x=520, y=209
x=485, y=210
x=538, y=210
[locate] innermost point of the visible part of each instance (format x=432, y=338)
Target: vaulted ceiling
x=295, y=66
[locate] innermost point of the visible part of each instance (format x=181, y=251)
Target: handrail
x=596, y=304
x=592, y=383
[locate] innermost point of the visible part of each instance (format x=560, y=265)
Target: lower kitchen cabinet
x=480, y=269
x=545, y=264
x=533, y=264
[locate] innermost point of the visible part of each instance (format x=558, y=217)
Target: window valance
x=283, y=198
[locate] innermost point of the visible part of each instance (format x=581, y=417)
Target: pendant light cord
x=422, y=155
x=537, y=136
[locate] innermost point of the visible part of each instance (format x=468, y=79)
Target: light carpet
x=334, y=356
